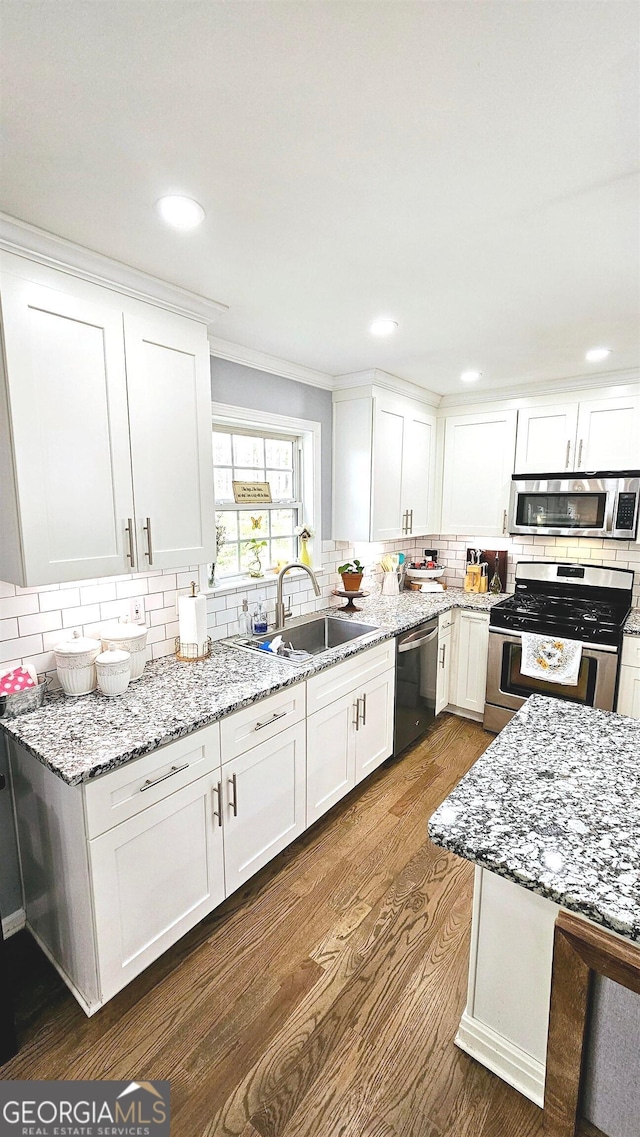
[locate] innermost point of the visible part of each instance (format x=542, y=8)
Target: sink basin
x=313, y=636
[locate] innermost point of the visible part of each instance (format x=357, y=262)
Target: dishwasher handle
x=408, y=643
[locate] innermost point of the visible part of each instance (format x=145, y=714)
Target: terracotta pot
x=351, y=581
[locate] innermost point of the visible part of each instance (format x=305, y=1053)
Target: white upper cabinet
x=597, y=434
x=104, y=432
x=546, y=441
x=384, y=462
x=609, y=434
x=170, y=420
x=478, y=463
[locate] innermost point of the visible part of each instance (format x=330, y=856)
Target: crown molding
x=24, y=240
x=377, y=378
x=261, y=361
x=545, y=387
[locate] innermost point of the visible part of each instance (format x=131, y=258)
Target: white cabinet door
x=444, y=670
x=388, y=444
x=472, y=645
x=154, y=877
x=67, y=393
x=546, y=439
x=331, y=770
x=478, y=463
x=169, y=389
x=629, y=692
x=609, y=434
x=264, y=810
x=374, y=734
x=418, y=469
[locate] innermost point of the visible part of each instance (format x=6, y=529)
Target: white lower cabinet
x=629, y=689
x=445, y=647
x=471, y=646
x=264, y=803
x=349, y=737
x=154, y=877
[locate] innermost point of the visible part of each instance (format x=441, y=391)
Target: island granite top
x=79, y=739
x=554, y=805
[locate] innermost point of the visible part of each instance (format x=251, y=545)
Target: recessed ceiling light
x=597, y=354
x=180, y=212
x=383, y=327
x=471, y=376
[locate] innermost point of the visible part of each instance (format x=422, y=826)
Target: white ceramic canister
x=128, y=637
x=113, y=668
x=75, y=661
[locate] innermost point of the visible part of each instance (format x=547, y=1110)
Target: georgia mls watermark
x=84, y=1109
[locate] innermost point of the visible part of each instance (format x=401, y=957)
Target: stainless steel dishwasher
x=416, y=673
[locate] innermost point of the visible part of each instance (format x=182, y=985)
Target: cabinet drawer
x=261, y=721
x=348, y=676
x=631, y=651
x=126, y=791
x=445, y=620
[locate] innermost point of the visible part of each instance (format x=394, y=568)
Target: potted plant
x=351, y=573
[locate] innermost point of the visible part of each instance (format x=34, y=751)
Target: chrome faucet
x=281, y=614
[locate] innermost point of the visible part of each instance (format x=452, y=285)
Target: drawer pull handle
x=274, y=718
x=356, y=721
x=163, y=777
x=234, y=802
x=217, y=813
x=364, y=709
x=147, y=529
x=129, y=531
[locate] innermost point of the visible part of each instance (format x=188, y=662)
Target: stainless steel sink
x=313, y=636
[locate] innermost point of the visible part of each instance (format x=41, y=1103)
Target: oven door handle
x=587, y=649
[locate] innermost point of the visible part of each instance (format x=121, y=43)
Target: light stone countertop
x=632, y=626
x=79, y=739
x=554, y=805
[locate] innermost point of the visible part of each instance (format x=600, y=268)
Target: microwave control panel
x=626, y=511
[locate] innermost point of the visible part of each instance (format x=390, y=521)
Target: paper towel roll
x=192, y=621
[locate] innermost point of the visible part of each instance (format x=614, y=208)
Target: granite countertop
x=632, y=626
x=554, y=805
x=79, y=739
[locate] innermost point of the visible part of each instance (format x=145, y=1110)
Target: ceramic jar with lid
x=113, y=668
x=75, y=662
x=128, y=637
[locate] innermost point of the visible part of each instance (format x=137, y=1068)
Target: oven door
x=507, y=687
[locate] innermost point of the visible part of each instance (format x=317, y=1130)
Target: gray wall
x=10, y=887
x=245, y=387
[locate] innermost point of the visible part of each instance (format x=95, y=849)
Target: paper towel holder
x=193, y=653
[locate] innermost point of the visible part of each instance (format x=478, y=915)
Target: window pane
x=279, y=453
x=221, y=449
x=248, y=451
x=246, y=474
x=229, y=520
x=283, y=522
x=227, y=564
x=222, y=487
x=283, y=549
x=281, y=482
x=247, y=558
x=247, y=517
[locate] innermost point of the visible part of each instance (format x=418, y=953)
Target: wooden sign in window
x=251, y=493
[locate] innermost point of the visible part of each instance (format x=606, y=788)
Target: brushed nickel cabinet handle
x=580, y=452
x=356, y=721
x=444, y=652
x=217, y=813
x=274, y=718
x=129, y=531
x=504, y=521
x=156, y=781
x=566, y=461
x=147, y=529
x=410, y=522
x=234, y=802
x=364, y=709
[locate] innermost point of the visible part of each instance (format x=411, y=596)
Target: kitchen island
x=550, y=815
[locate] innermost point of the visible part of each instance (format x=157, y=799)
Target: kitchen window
x=250, y=455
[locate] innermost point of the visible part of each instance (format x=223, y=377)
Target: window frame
x=241, y=420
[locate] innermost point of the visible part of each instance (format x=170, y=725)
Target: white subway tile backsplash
x=9, y=629
x=7, y=589
x=39, y=622
x=19, y=648
x=96, y=593
x=155, y=600
x=63, y=598
x=17, y=606
x=89, y=614
x=137, y=586
x=114, y=609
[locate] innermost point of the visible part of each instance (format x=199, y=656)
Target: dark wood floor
x=322, y=1000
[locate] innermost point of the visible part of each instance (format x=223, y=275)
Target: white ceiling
x=469, y=168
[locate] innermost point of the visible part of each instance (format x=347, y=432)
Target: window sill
x=240, y=584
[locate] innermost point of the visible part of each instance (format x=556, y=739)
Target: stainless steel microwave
x=602, y=503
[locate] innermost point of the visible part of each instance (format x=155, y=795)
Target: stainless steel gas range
x=586, y=603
